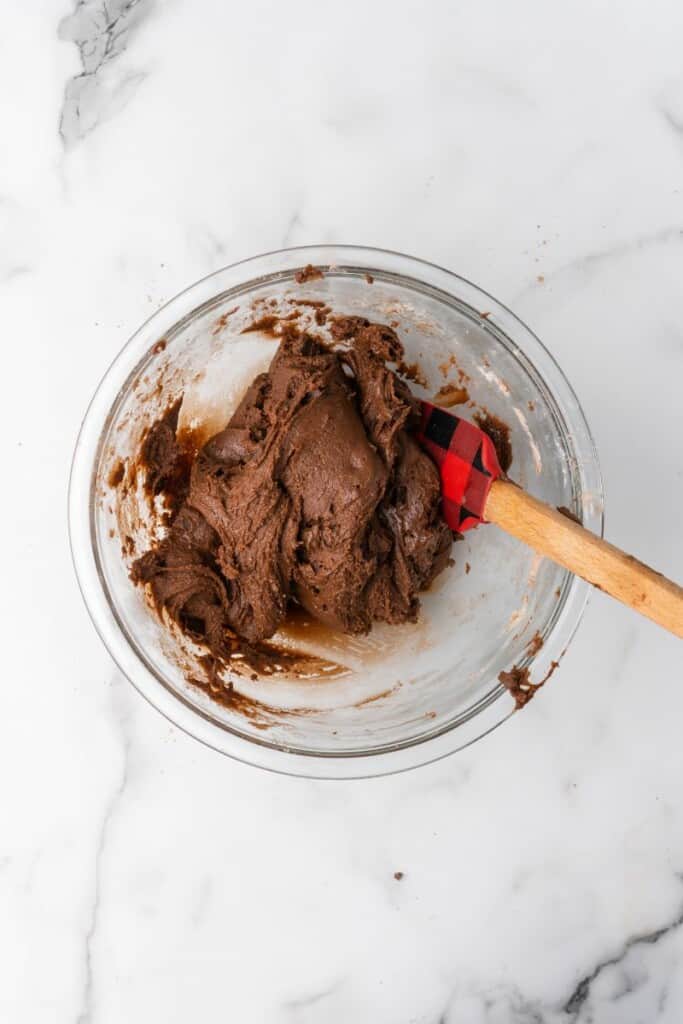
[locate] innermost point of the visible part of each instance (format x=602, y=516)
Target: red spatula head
x=467, y=463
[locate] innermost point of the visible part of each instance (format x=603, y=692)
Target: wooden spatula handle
x=558, y=537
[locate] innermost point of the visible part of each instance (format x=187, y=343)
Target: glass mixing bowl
x=401, y=696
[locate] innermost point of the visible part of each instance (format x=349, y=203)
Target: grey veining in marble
x=101, y=29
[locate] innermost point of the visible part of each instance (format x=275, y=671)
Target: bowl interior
x=400, y=685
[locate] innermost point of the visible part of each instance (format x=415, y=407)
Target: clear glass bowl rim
x=255, y=270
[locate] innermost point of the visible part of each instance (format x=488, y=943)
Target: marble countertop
x=536, y=149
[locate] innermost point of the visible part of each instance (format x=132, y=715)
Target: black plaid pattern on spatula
x=467, y=463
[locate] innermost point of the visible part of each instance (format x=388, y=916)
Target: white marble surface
x=535, y=148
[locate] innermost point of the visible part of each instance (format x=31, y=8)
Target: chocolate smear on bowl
x=499, y=432
x=308, y=273
x=519, y=685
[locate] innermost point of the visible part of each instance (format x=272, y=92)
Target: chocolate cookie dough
x=315, y=493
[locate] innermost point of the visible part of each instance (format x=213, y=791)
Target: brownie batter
x=314, y=494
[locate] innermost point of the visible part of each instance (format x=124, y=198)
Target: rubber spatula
x=475, y=490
